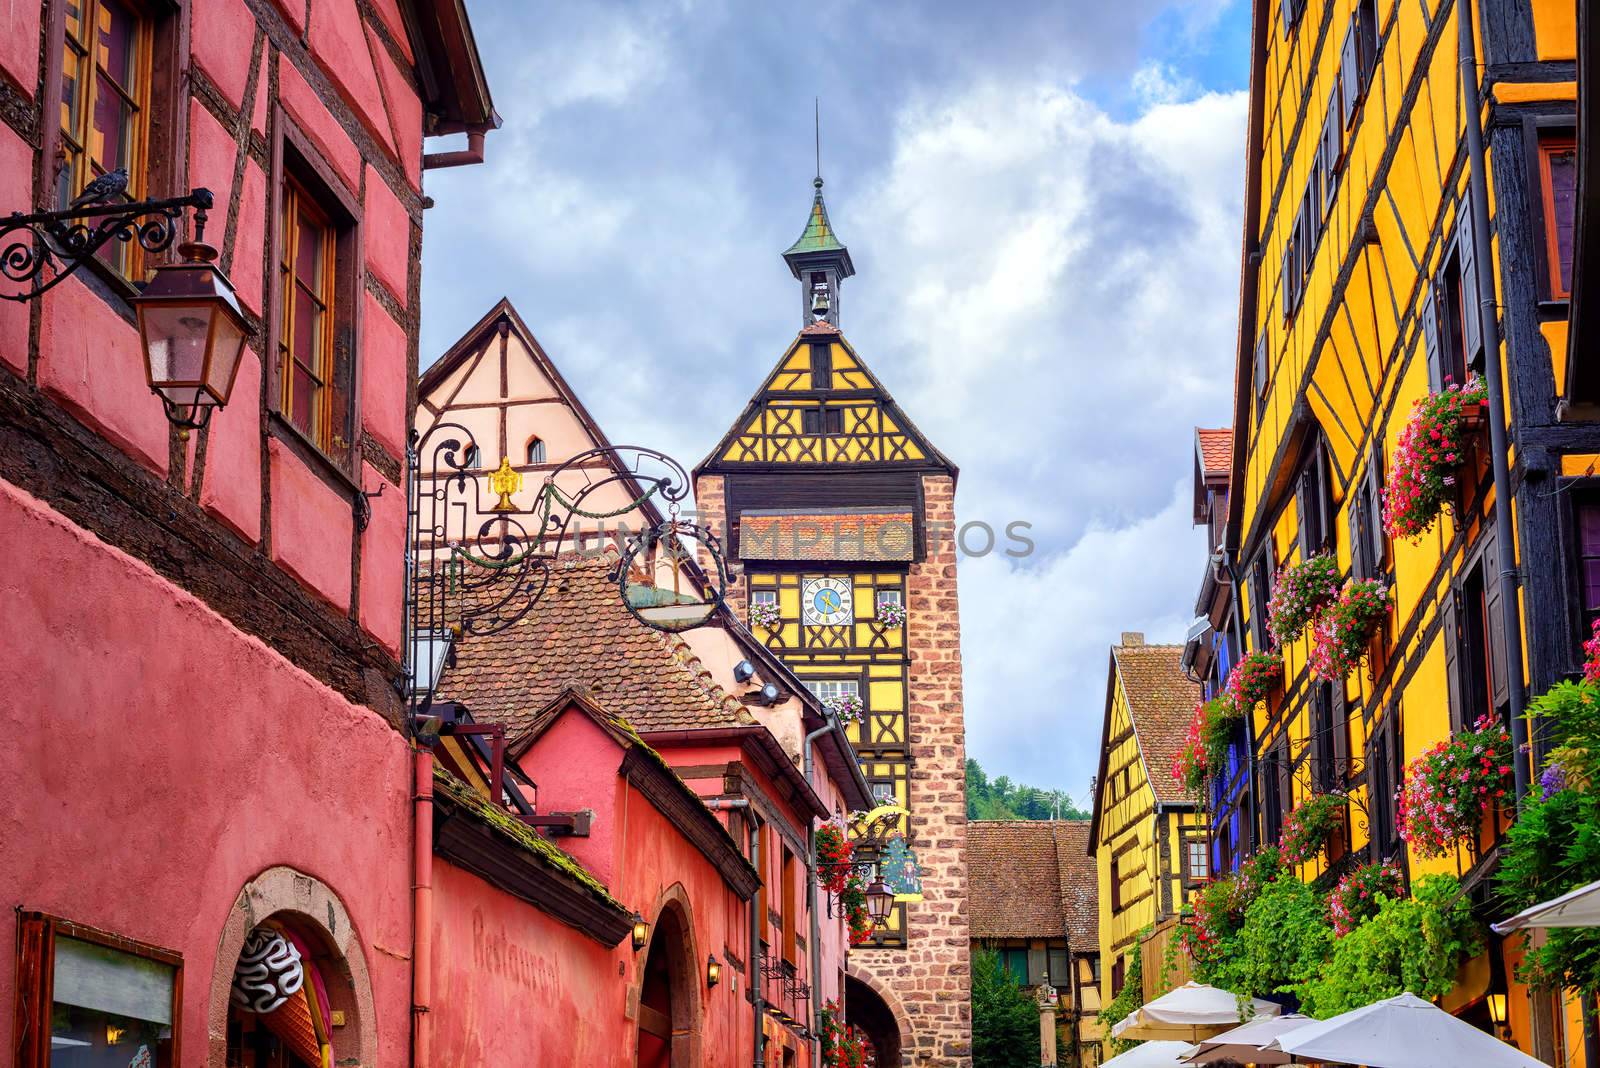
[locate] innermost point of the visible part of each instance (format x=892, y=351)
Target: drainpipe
x=808, y=766
x=1478, y=185
x=464, y=157
x=757, y=1006
x=422, y=913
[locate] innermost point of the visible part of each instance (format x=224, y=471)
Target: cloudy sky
x=1042, y=203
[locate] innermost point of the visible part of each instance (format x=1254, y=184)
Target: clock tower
x=838, y=520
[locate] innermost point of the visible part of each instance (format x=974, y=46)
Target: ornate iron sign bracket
x=41, y=249
x=479, y=562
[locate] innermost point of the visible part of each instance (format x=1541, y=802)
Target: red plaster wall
x=575, y=763
x=19, y=59
x=219, y=32
x=340, y=46
x=387, y=234
x=383, y=395
x=382, y=590
x=311, y=528
x=233, y=450
x=16, y=187
x=323, y=129
x=112, y=817
x=512, y=985
x=90, y=361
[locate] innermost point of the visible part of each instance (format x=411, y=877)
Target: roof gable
x=1159, y=702
x=864, y=425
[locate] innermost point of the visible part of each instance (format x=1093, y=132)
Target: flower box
x=1432, y=447
x=1450, y=789
x=1344, y=631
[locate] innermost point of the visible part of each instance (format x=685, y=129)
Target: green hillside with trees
x=1002, y=799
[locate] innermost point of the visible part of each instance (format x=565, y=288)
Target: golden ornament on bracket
x=505, y=482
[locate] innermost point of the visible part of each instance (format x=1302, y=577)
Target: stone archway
x=311, y=908
x=872, y=1010
x=666, y=996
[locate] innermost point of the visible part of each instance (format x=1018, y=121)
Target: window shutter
x=1358, y=519
x=1286, y=277
x=1302, y=513
x=1288, y=7
x=1494, y=624
x=1341, y=738
x=1285, y=786
x=1396, y=777
x=1377, y=549
x=1349, y=75
x=1471, y=324
x=1259, y=371
x=1430, y=339
x=1323, y=489
x=1451, y=635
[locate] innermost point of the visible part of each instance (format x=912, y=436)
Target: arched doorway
x=867, y=1012
x=668, y=1009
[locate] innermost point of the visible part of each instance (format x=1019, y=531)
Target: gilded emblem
x=505, y=482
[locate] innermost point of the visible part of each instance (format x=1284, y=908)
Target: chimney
x=1132, y=637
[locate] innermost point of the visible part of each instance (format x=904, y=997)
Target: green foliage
x=1414, y=944
x=1001, y=799
x=1570, y=715
x=1005, y=1020
x=1554, y=847
x=1130, y=998
x=1282, y=943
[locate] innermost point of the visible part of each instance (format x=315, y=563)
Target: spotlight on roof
x=770, y=694
x=743, y=671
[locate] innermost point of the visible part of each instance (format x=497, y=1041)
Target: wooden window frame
x=1575, y=494
x=1548, y=143
x=36, y=935
x=301, y=212
x=535, y=442
x=162, y=167
x=295, y=158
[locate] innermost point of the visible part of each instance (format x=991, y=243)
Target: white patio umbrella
x=1576, y=908
x=1401, y=1032
x=1190, y=1013
x=1150, y=1055
x=1246, y=1042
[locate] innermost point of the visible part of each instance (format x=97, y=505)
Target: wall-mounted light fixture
x=880, y=899
x=193, y=334
x=1497, y=1012
x=641, y=932
x=713, y=971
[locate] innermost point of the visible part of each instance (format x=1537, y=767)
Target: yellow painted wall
x=1351, y=354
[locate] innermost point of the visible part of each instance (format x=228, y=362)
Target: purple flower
x=1552, y=782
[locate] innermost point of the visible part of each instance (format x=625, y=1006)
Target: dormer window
x=535, y=453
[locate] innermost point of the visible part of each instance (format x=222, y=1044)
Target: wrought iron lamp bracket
x=42, y=249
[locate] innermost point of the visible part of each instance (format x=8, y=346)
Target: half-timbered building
x=1405, y=232
x=837, y=514
x=1148, y=838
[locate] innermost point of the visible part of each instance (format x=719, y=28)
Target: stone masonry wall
x=930, y=977
x=711, y=512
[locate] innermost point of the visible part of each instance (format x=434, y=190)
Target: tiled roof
x=1216, y=450
x=1161, y=702
x=868, y=536
x=1013, y=880
x=821, y=326
x=580, y=636
x=1080, y=885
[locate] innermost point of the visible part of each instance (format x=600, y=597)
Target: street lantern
x=713, y=970
x=641, y=931
x=880, y=899
x=193, y=335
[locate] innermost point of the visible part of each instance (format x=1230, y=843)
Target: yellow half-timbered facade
x=837, y=516
x=1149, y=840
x=1384, y=260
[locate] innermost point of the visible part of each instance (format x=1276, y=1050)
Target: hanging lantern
x=880, y=899
x=192, y=333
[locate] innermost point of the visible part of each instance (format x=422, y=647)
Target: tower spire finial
x=816, y=105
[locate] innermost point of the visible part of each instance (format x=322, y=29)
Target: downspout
x=422, y=913
x=808, y=766
x=463, y=157
x=757, y=1006
x=1489, y=325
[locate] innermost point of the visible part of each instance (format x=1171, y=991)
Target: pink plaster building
x=203, y=630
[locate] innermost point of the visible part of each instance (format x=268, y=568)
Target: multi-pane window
x=305, y=339
x=105, y=103
x=535, y=453
x=1451, y=331
x=87, y=998
x=1197, y=860
x=829, y=690
x=1586, y=518
x=1558, y=179
x=893, y=597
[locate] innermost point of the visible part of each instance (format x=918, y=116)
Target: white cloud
x=1054, y=293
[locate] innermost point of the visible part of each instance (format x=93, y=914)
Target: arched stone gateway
x=875, y=1013
x=303, y=941
x=668, y=1006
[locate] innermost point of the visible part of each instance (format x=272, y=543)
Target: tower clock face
x=826, y=602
